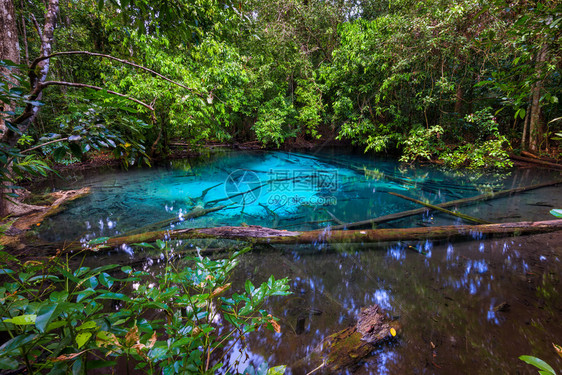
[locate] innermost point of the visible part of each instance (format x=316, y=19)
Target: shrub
x=63, y=320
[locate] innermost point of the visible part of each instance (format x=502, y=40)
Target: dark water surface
x=447, y=298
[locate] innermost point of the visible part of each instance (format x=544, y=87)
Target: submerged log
x=434, y=207
x=345, y=349
x=196, y=212
x=458, y=202
x=262, y=235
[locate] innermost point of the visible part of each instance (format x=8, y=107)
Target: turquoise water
x=446, y=298
x=274, y=189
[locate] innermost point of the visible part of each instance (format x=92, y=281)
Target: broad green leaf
x=84, y=294
x=93, y=282
x=77, y=367
x=87, y=325
x=44, y=316
x=16, y=342
x=82, y=338
x=22, y=320
x=106, y=280
x=538, y=363
x=55, y=325
x=58, y=296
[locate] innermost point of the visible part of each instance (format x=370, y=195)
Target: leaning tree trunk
x=9, y=50
x=535, y=126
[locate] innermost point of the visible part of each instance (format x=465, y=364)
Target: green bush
x=422, y=143
x=63, y=320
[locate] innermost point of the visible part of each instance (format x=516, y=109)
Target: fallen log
x=344, y=350
x=13, y=237
x=458, y=202
x=262, y=235
x=434, y=207
x=536, y=161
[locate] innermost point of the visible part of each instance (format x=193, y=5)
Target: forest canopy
x=461, y=82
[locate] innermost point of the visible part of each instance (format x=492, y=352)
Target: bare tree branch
x=37, y=27
x=87, y=53
x=82, y=85
x=44, y=144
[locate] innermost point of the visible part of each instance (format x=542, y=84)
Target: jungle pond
x=466, y=307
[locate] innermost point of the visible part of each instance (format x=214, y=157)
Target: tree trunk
x=9, y=50
x=263, y=235
x=39, y=75
x=535, y=126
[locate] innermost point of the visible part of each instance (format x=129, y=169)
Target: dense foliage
x=61, y=318
x=462, y=81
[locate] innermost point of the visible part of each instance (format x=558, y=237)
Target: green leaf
x=55, y=325
x=98, y=241
x=77, y=367
x=93, y=282
x=84, y=294
x=556, y=212
x=87, y=325
x=538, y=363
x=8, y=364
x=106, y=280
x=58, y=296
x=16, y=342
x=82, y=338
x=22, y=320
x=277, y=370
x=44, y=316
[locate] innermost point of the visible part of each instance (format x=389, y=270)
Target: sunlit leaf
x=82, y=338
x=22, y=320
x=87, y=325
x=538, y=363
x=277, y=370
